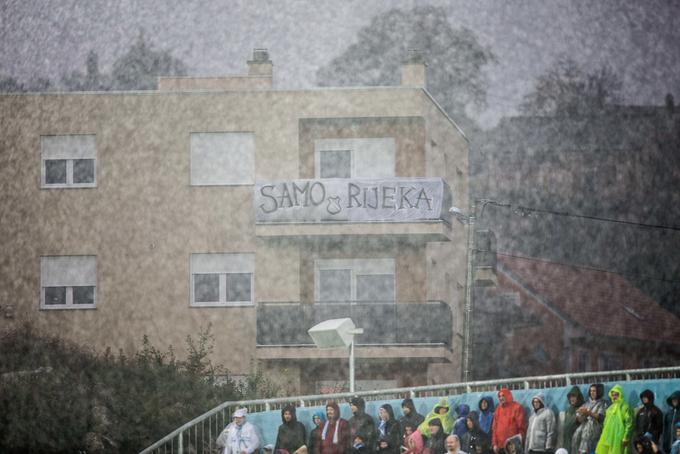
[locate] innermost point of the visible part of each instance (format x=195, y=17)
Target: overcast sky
x=640, y=39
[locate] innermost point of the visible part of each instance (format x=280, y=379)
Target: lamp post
x=338, y=332
x=470, y=220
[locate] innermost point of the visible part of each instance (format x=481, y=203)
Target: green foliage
x=454, y=56
x=139, y=67
x=59, y=397
x=568, y=89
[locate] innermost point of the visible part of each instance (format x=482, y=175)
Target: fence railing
x=199, y=434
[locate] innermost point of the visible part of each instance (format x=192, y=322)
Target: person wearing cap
x=334, y=438
x=541, y=432
x=648, y=418
x=618, y=425
x=508, y=420
x=361, y=423
x=292, y=433
x=240, y=436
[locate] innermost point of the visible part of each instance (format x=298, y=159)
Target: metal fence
x=199, y=435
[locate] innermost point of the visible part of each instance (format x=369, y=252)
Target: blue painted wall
x=556, y=399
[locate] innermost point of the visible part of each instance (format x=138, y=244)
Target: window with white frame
x=68, y=282
x=68, y=161
x=222, y=158
x=354, y=158
x=363, y=280
x=222, y=279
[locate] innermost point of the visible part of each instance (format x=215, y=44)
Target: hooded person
x=435, y=443
x=568, y=422
x=671, y=418
x=675, y=447
x=334, y=437
x=410, y=415
x=292, y=434
x=459, y=427
x=388, y=432
x=318, y=419
x=360, y=423
x=240, y=436
x=648, y=418
x=513, y=445
x=541, y=432
x=359, y=445
x=508, y=420
x=590, y=417
x=474, y=436
x=486, y=409
x=618, y=425
x=442, y=412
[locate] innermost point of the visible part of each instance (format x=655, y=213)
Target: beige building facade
x=260, y=212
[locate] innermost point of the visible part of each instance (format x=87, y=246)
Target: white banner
x=352, y=200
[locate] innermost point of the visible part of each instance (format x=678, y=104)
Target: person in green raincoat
x=441, y=411
x=568, y=420
x=618, y=425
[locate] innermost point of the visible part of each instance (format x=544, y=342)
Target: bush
x=56, y=396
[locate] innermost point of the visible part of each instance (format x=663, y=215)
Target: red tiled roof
x=602, y=303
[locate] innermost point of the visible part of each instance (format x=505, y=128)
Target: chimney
x=260, y=65
x=413, y=69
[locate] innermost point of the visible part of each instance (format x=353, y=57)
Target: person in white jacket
x=541, y=433
x=240, y=436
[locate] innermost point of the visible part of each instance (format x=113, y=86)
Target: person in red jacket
x=333, y=438
x=508, y=421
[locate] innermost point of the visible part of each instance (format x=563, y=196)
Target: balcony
x=413, y=207
x=390, y=329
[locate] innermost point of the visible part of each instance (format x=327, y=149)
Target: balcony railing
x=384, y=323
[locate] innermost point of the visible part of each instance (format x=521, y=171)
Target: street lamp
x=338, y=332
x=467, y=319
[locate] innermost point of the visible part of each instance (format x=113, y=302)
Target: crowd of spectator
x=587, y=425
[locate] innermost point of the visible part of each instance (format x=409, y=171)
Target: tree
x=139, y=67
x=454, y=57
x=568, y=89
x=92, y=80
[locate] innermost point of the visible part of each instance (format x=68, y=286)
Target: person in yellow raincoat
x=441, y=411
x=618, y=425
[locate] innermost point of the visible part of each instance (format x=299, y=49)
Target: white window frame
x=202, y=144
x=68, y=147
x=68, y=271
x=366, y=154
x=222, y=264
x=358, y=267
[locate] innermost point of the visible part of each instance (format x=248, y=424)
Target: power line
x=586, y=267
x=526, y=211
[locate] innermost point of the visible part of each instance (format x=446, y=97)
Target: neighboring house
x=544, y=317
x=622, y=163
x=223, y=201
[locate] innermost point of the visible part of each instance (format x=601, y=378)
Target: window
x=354, y=158
x=222, y=158
x=583, y=361
x=222, y=279
x=68, y=282
x=363, y=280
x=68, y=161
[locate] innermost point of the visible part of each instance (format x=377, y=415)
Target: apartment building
x=260, y=212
